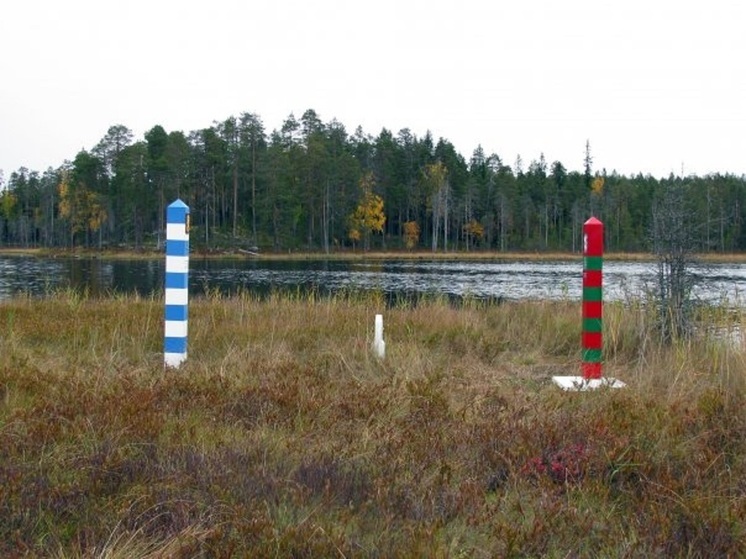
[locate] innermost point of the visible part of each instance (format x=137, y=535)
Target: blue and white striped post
x=177, y=284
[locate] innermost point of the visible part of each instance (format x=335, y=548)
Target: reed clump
x=283, y=435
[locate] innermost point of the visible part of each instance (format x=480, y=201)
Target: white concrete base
x=581, y=384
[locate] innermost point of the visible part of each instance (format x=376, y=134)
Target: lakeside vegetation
x=283, y=436
x=129, y=254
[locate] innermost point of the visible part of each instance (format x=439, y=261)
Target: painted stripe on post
x=175, y=346
x=177, y=296
x=177, y=248
x=176, y=280
x=592, y=355
x=593, y=278
x=172, y=359
x=176, y=312
x=593, y=263
x=176, y=232
x=593, y=294
x=592, y=309
x=592, y=340
x=176, y=284
x=176, y=329
x=177, y=264
x=592, y=370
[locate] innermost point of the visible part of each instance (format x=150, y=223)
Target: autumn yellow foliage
x=411, y=234
x=81, y=207
x=368, y=217
x=8, y=203
x=597, y=186
x=474, y=230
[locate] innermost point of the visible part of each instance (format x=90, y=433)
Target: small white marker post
x=379, y=346
x=177, y=284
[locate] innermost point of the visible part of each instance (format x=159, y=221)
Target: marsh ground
x=284, y=436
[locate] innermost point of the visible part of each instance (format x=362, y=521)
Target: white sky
x=652, y=85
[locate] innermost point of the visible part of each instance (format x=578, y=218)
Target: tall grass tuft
x=283, y=435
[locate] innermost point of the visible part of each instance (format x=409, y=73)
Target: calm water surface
x=483, y=279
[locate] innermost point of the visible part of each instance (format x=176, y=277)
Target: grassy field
x=284, y=436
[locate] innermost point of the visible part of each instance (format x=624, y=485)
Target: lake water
x=493, y=279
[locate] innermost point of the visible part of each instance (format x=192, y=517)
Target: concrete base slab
x=582, y=384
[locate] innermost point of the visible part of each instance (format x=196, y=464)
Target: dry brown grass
x=282, y=435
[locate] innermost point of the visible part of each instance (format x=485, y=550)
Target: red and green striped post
x=593, y=308
x=593, y=305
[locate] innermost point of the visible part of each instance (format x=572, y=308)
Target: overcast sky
x=656, y=87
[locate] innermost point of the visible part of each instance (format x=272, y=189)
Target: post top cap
x=593, y=221
x=177, y=204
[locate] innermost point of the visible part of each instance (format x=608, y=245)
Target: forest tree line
x=313, y=186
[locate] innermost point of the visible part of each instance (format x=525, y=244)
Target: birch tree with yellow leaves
x=411, y=234
x=81, y=208
x=368, y=217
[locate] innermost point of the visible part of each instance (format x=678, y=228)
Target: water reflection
x=482, y=279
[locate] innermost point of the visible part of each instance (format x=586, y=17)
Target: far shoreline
x=145, y=254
